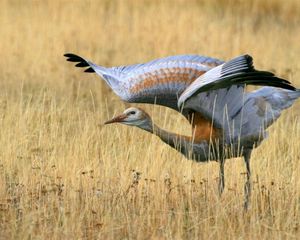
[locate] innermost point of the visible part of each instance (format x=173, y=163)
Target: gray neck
x=165, y=136
x=172, y=139
x=183, y=144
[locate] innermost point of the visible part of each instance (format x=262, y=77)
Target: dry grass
x=63, y=175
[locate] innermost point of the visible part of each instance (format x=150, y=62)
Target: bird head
x=134, y=117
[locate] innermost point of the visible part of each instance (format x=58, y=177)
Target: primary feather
x=219, y=95
x=208, y=86
x=238, y=71
x=159, y=81
x=226, y=121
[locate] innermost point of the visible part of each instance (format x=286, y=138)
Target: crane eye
x=132, y=112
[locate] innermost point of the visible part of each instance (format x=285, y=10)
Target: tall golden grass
x=63, y=175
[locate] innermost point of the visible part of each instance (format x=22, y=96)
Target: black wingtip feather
x=249, y=59
x=262, y=78
x=81, y=62
x=69, y=55
x=240, y=70
x=259, y=78
x=89, y=70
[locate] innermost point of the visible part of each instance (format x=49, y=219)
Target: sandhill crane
x=226, y=121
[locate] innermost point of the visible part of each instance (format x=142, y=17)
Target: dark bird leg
x=221, y=176
x=247, y=187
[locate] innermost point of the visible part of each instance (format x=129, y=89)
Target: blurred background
x=64, y=175
x=35, y=35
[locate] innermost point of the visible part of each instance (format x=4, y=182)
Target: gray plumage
x=159, y=81
x=211, y=91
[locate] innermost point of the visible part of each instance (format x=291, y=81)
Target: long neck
x=189, y=146
x=172, y=139
x=168, y=137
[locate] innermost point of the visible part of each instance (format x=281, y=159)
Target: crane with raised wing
x=226, y=120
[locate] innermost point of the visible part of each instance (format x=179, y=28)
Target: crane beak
x=117, y=119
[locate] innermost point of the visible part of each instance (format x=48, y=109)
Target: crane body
x=226, y=120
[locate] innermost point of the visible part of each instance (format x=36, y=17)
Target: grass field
x=64, y=175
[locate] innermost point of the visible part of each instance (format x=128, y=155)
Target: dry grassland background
x=63, y=175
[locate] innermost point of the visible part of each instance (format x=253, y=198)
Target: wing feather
x=262, y=108
x=160, y=81
x=224, y=86
x=238, y=71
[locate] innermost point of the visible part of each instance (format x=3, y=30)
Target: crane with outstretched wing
x=226, y=120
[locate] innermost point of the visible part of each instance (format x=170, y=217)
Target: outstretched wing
x=219, y=93
x=159, y=81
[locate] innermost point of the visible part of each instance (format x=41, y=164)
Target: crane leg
x=247, y=187
x=221, y=177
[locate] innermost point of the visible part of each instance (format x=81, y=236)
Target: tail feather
x=295, y=94
x=261, y=109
